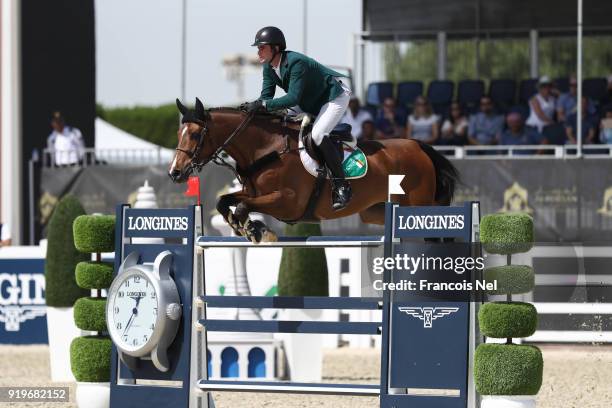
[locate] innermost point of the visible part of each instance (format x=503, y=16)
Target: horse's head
x=195, y=147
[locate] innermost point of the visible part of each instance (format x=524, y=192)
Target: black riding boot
x=341, y=189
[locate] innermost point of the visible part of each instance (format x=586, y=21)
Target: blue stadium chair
x=502, y=93
x=377, y=92
x=469, y=92
x=595, y=89
x=440, y=95
x=407, y=92
x=527, y=88
x=562, y=84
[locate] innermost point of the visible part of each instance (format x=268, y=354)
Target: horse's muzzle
x=177, y=176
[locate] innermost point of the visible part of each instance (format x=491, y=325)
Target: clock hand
x=134, y=313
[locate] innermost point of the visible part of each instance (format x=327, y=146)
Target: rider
x=315, y=88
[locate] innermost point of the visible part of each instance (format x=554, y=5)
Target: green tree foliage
x=496, y=58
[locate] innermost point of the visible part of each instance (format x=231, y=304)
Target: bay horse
x=267, y=162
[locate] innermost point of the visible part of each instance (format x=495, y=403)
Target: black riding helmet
x=270, y=36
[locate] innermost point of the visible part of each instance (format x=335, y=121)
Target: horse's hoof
x=252, y=230
x=269, y=236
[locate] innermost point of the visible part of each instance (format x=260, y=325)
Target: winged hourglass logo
x=428, y=314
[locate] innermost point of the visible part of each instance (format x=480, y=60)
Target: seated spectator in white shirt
x=65, y=143
x=5, y=235
x=422, y=124
x=355, y=116
x=542, y=105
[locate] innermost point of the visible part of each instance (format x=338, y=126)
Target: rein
x=216, y=157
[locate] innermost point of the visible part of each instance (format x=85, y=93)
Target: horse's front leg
x=256, y=230
x=223, y=206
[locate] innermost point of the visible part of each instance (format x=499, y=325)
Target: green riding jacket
x=308, y=84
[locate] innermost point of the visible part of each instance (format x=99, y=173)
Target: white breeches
x=330, y=114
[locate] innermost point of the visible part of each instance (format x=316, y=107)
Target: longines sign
x=22, y=301
x=164, y=223
x=419, y=221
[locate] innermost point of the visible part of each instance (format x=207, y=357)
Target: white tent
x=114, y=145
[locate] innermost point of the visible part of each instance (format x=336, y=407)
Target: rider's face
x=264, y=52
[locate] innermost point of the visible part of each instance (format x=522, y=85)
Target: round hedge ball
x=507, y=233
x=90, y=358
x=94, y=233
x=94, y=275
x=90, y=314
x=508, y=369
x=508, y=319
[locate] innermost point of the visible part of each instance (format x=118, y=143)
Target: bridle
x=217, y=156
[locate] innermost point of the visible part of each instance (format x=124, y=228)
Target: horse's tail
x=447, y=174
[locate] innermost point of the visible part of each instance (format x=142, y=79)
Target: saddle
x=339, y=135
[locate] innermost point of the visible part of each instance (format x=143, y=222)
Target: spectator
x=389, y=119
x=65, y=143
x=368, y=131
x=566, y=104
x=423, y=123
x=605, y=133
x=485, y=126
x=454, y=129
x=542, y=105
x=519, y=134
x=589, y=125
x=5, y=235
x=355, y=116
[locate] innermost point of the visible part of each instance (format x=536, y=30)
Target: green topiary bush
x=508, y=369
x=61, y=289
x=303, y=271
x=90, y=358
x=507, y=233
x=508, y=319
x=94, y=275
x=90, y=314
x=90, y=355
x=95, y=233
x=513, y=279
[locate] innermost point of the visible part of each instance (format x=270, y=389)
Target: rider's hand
x=253, y=106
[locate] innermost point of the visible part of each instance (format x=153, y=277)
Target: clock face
x=133, y=311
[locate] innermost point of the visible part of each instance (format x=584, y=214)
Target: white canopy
x=118, y=146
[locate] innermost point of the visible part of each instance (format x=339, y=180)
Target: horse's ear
x=199, y=109
x=182, y=108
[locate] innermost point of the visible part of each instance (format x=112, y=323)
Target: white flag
x=394, y=184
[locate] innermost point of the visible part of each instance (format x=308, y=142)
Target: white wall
x=11, y=180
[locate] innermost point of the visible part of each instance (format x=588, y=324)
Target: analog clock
x=143, y=310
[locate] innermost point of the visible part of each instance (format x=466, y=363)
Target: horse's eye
x=196, y=136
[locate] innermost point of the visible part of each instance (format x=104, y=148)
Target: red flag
x=193, y=187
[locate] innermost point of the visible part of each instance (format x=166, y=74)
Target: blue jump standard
x=420, y=367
